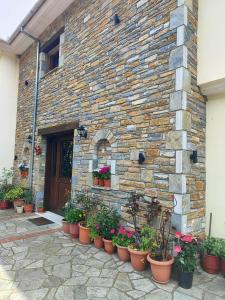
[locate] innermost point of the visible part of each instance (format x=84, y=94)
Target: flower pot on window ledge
x=101, y=182
x=24, y=173
x=95, y=181
x=107, y=183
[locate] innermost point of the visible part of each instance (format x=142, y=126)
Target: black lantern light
x=29, y=139
x=116, y=19
x=82, y=131
x=141, y=158
x=194, y=157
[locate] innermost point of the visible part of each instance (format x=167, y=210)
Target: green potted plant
x=40, y=207
x=186, y=249
x=160, y=257
x=95, y=175
x=74, y=216
x=24, y=169
x=4, y=204
x=95, y=231
x=144, y=241
x=28, y=198
x=15, y=195
x=68, y=206
x=210, y=251
x=222, y=255
x=105, y=175
x=122, y=240
x=88, y=204
x=5, y=186
x=108, y=219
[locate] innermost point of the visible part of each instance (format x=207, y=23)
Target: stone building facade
x=133, y=85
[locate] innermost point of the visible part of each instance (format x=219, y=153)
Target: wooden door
x=58, y=171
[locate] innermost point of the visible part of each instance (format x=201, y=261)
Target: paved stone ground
x=54, y=266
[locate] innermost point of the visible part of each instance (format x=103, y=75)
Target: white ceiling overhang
x=39, y=18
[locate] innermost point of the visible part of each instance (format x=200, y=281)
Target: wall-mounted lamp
x=194, y=157
x=15, y=157
x=29, y=139
x=82, y=131
x=141, y=158
x=26, y=82
x=116, y=19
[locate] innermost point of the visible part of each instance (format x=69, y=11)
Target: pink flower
x=104, y=170
x=187, y=238
x=129, y=235
x=122, y=231
x=178, y=234
x=177, y=249
x=97, y=226
x=112, y=231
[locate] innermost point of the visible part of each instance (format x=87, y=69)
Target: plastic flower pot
x=4, y=204
x=74, y=230
x=185, y=279
x=211, y=264
x=41, y=209
x=84, y=234
x=98, y=242
x=66, y=226
x=95, y=181
x=19, y=209
x=107, y=183
x=222, y=266
x=28, y=208
x=161, y=270
x=24, y=173
x=18, y=202
x=108, y=246
x=138, y=259
x=101, y=182
x=123, y=253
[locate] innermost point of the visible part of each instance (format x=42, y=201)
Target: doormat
x=40, y=221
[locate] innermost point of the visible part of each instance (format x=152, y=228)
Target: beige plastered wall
x=211, y=68
x=9, y=73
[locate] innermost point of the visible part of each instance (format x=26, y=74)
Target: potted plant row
x=102, y=177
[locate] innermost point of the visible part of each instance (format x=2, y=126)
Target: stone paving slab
x=54, y=266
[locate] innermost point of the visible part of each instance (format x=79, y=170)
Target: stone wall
x=133, y=84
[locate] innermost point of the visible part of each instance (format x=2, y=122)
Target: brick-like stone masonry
x=133, y=84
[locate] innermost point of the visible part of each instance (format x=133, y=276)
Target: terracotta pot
x=138, y=259
x=4, y=204
x=84, y=234
x=211, y=264
x=24, y=173
x=18, y=202
x=74, y=230
x=123, y=253
x=28, y=208
x=41, y=209
x=161, y=270
x=222, y=266
x=66, y=227
x=19, y=209
x=107, y=183
x=95, y=181
x=108, y=246
x=98, y=242
x=101, y=182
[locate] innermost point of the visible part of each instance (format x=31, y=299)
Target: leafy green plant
x=86, y=202
x=95, y=228
x=108, y=220
x=74, y=215
x=40, y=205
x=222, y=248
x=28, y=196
x=145, y=239
x=124, y=237
x=95, y=174
x=14, y=193
x=210, y=246
x=186, y=248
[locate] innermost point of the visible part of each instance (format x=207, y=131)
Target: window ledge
x=50, y=72
x=98, y=187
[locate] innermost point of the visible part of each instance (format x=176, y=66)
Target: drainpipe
x=34, y=114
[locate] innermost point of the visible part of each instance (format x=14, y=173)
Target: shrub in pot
x=186, y=249
x=122, y=240
x=4, y=204
x=210, y=260
x=28, y=198
x=160, y=257
x=15, y=194
x=144, y=241
x=95, y=231
x=108, y=219
x=5, y=186
x=222, y=256
x=88, y=204
x=95, y=175
x=74, y=216
x=105, y=176
x=40, y=207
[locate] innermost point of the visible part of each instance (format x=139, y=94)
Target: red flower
x=177, y=249
x=112, y=231
x=178, y=234
x=122, y=231
x=187, y=238
x=129, y=235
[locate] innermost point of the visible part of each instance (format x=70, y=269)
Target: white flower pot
x=19, y=209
